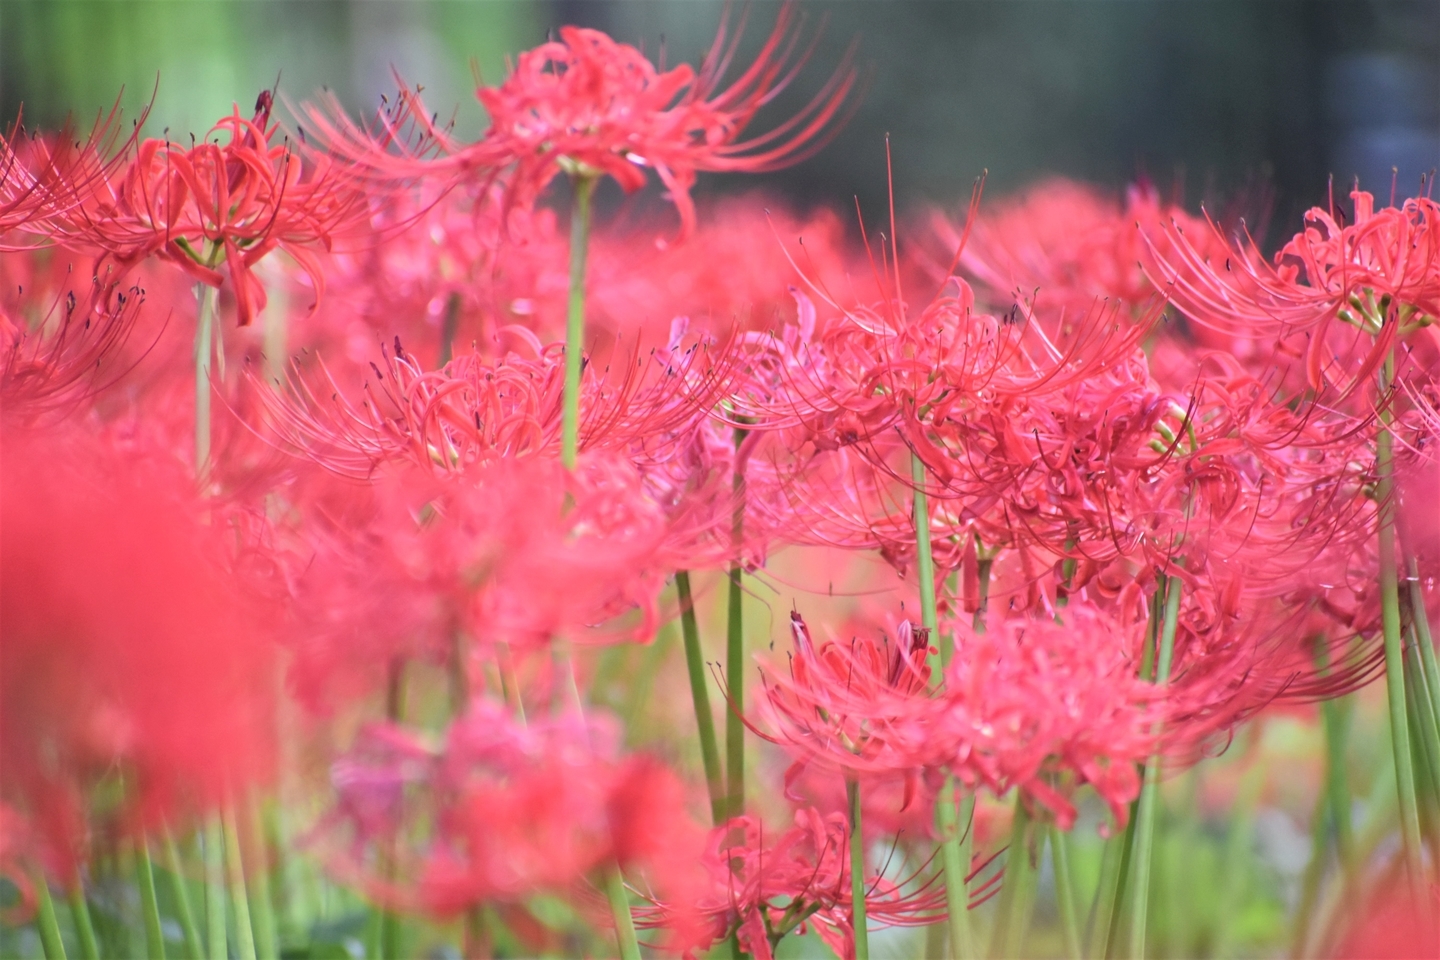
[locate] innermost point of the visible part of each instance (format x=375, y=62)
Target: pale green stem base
x=1017, y=892
x=1148, y=811
x=239, y=898
x=180, y=893
x=215, y=902
x=955, y=862
x=1065, y=891
x=84, y=928
x=46, y=921
x=575, y=319
x=620, y=910
x=700, y=697
x=149, y=904
x=858, y=919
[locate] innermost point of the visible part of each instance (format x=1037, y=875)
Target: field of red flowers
x=401, y=559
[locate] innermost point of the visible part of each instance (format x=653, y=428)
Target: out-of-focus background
x=1224, y=100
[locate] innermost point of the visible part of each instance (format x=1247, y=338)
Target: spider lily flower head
x=517, y=551
x=767, y=886
x=588, y=106
x=861, y=706
x=1378, y=274
x=233, y=198
x=130, y=647
x=69, y=357
x=478, y=410
x=512, y=810
x=1041, y=706
x=42, y=175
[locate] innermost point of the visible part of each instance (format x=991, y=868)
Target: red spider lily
x=516, y=810
x=516, y=551
x=764, y=889
x=590, y=106
x=860, y=707
x=236, y=196
x=156, y=672
x=1380, y=275
x=1033, y=702
x=66, y=359
x=42, y=175
x=476, y=410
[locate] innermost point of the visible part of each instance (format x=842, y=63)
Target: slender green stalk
x=735, y=658
x=1150, y=790
x=1310, y=879
x=575, y=317
x=235, y=876
x=1016, y=893
x=204, y=353
x=954, y=854
x=84, y=928
x=180, y=893
x=1426, y=751
x=215, y=905
x=620, y=910
x=1065, y=891
x=448, y=328
x=1106, y=892
x=267, y=939
x=924, y=555
x=984, y=565
x=1394, y=656
x=858, y=920
x=700, y=696
x=1424, y=639
x=1111, y=942
x=955, y=861
x=1234, y=871
x=1335, y=719
x=46, y=921
x=149, y=904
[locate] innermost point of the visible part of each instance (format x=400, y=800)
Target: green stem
x=450, y=325
x=266, y=935
x=1111, y=942
x=1394, y=655
x=954, y=854
x=575, y=317
x=1013, y=915
x=1335, y=719
x=50, y=940
x=204, y=353
x=1310, y=879
x=735, y=656
x=235, y=876
x=1106, y=890
x=700, y=696
x=149, y=904
x=1150, y=790
x=1065, y=891
x=1235, y=872
x=955, y=861
x=858, y=920
x=180, y=892
x=84, y=928
x=1426, y=749
x=215, y=906
x=983, y=566
x=620, y=909
x=924, y=555
x=1426, y=642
